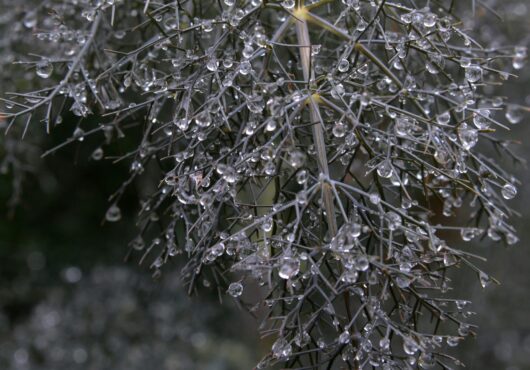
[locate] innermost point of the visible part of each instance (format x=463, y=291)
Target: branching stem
x=304, y=41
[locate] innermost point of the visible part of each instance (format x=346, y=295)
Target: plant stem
x=304, y=41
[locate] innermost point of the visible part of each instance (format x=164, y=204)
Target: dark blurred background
x=68, y=300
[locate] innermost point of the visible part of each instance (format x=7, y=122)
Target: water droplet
x=394, y=220
x=473, y=73
x=465, y=62
x=449, y=259
x=509, y=191
x=137, y=243
x=271, y=125
x=427, y=360
x=461, y=304
x=301, y=177
x=385, y=169
x=355, y=229
x=352, y=4
x=90, y=15
x=337, y=91
x=514, y=114
x=343, y=65
x=406, y=203
x=235, y=289
x=403, y=282
x=288, y=4
x=212, y=65
x=289, y=267
x=30, y=19
x=429, y=20
x=281, y=349
x=215, y=251
x=267, y=224
x=137, y=166
x=406, y=18
x=480, y=119
x=361, y=263
x=270, y=168
x=402, y=126
x=468, y=136
x=464, y=330
x=349, y=276
x=339, y=129
x=79, y=109
x=207, y=25
x=79, y=134
x=44, y=69
x=453, y=341
x=493, y=234
x=511, y=238
x=375, y=198
x=441, y=156
x=444, y=118
x=97, y=154
x=384, y=344
x=113, y=213
x=410, y=346
x=315, y=49
x=302, y=339
x=521, y=51
x=182, y=124
x=344, y=337
x=245, y=68
x=248, y=50
x=518, y=62
x=228, y=173
x=296, y=158
x=203, y=119
x=351, y=140
x=361, y=25
x=519, y=59
x=484, y=278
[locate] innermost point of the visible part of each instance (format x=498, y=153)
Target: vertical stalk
x=304, y=42
x=317, y=122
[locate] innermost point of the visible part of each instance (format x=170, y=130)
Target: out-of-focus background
x=503, y=311
x=68, y=300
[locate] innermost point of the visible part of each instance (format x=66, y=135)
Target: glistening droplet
x=113, y=213
x=44, y=69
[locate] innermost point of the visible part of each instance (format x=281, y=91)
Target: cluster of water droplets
x=323, y=192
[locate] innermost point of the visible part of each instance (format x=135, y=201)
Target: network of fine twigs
x=324, y=149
